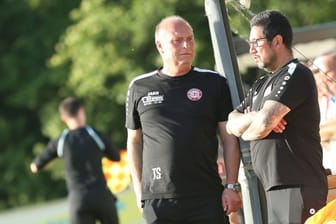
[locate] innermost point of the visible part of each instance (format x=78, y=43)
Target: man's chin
x=186, y=61
x=261, y=65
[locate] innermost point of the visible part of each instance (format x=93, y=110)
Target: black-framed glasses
x=256, y=42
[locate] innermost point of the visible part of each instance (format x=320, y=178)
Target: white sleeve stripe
x=205, y=70
x=61, y=141
x=91, y=132
x=142, y=77
x=291, y=68
x=95, y=137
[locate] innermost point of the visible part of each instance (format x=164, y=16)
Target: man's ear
x=82, y=110
x=64, y=118
x=159, y=46
x=277, y=40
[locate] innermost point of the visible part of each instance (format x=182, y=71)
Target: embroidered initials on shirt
x=157, y=175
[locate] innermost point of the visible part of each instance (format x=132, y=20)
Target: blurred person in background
x=324, y=68
x=82, y=149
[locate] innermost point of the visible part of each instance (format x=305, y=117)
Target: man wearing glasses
x=280, y=116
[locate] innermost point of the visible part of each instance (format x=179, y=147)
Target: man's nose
x=253, y=49
x=184, y=44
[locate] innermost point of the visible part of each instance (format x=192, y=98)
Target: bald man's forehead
x=175, y=28
x=171, y=25
x=174, y=20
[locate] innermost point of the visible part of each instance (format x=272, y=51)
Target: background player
x=82, y=149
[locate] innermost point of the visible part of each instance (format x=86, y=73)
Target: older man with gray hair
x=172, y=116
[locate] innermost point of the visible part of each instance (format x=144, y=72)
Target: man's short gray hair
x=166, y=19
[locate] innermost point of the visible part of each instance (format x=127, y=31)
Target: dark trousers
x=87, y=207
x=196, y=210
x=293, y=205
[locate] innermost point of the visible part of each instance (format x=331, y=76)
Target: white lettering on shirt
x=157, y=173
x=153, y=97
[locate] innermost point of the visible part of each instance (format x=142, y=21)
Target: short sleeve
x=132, y=115
x=293, y=87
x=224, y=101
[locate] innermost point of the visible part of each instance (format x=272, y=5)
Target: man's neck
x=175, y=71
x=283, y=60
x=75, y=125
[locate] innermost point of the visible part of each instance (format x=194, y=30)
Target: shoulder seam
x=143, y=76
x=205, y=70
x=60, y=143
x=292, y=67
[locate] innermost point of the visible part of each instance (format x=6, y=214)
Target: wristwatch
x=236, y=187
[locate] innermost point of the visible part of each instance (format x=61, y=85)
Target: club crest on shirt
x=194, y=94
x=152, y=97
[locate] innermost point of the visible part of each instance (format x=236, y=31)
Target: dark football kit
x=178, y=117
x=292, y=159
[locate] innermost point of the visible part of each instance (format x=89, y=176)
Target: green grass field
x=56, y=212
x=127, y=210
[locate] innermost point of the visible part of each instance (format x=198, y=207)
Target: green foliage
x=300, y=13
x=29, y=30
x=51, y=49
x=108, y=44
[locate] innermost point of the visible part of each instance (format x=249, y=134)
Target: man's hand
x=265, y=120
x=281, y=126
x=33, y=168
x=239, y=122
x=231, y=201
x=248, y=110
x=139, y=203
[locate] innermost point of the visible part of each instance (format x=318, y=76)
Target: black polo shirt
x=178, y=117
x=82, y=159
x=293, y=157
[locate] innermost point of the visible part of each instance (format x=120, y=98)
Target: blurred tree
x=29, y=31
x=109, y=43
x=299, y=12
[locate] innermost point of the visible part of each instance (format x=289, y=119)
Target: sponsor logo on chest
x=152, y=97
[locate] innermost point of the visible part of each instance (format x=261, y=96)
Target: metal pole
x=226, y=64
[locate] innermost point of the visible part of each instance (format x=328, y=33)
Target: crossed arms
x=252, y=125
